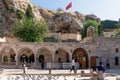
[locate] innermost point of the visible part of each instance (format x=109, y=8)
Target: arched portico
x=26, y=55
x=7, y=55
x=43, y=56
x=61, y=55
x=80, y=55
x=43, y=52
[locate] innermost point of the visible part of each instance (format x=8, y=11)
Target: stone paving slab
x=59, y=74
x=19, y=77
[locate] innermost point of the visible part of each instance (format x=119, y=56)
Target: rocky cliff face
x=5, y=18
x=8, y=15
x=64, y=22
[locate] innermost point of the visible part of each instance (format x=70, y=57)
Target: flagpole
x=68, y=7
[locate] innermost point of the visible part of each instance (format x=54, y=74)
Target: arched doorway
x=41, y=60
x=26, y=56
x=44, y=56
x=80, y=56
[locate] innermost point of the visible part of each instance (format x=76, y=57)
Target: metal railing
x=60, y=65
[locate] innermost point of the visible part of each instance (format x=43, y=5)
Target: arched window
x=56, y=52
x=117, y=50
x=116, y=61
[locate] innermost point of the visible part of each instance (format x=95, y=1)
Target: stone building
x=14, y=54
x=86, y=52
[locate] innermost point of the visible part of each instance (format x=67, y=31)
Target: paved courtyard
x=36, y=74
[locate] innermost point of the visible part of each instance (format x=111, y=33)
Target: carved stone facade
x=85, y=54
x=90, y=31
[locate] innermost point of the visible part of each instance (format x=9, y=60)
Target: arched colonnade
x=37, y=56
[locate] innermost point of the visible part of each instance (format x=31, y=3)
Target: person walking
x=100, y=61
x=93, y=73
x=101, y=71
x=72, y=65
x=107, y=64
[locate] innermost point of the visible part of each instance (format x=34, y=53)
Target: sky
x=104, y=9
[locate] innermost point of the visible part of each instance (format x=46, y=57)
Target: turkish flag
x=69, y=6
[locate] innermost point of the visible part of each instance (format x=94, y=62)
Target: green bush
x=117, y=33
x=30, y=30
x=53, y=38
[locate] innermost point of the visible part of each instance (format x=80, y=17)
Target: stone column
x=53, y=59
x=17, y=59
x=89, y=61
x=2, y=58
x=35, y=55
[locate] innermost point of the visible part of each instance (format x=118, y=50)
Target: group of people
x=107, y=63
x=99, y=70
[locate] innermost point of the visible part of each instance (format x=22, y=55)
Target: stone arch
x=61, y=55
x=7, y=55
x=26, y=55
x=80, y=55
x=44, y=53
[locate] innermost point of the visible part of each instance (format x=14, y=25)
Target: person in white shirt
x=72, y=65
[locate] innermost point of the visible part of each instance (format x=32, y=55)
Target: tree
x=59, y=10
x=109, y=24
x=86, y=25
x=100, y=29
x=30, y=30
x=29, y=12
x=117, y=33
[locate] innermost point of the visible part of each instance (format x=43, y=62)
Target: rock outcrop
x=66, y=22
x=8, y=15
x=63, y=22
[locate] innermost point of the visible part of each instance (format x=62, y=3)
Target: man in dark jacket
x=101, y=68
x=101, y=71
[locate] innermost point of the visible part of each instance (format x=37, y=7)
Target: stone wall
x=100, y=48
x=65, y=36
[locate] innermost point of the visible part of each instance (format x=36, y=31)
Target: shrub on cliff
x=30, y=30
